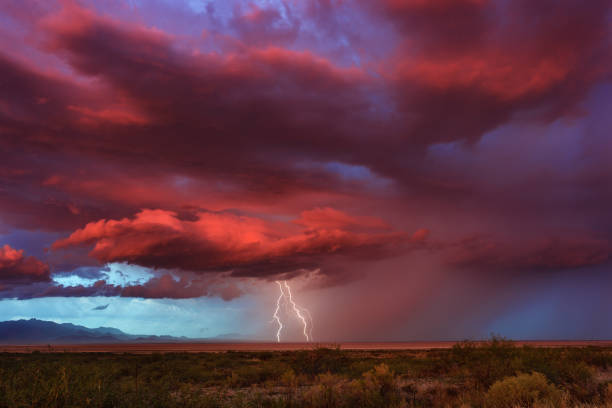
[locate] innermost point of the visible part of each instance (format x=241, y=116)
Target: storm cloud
x=324, y=141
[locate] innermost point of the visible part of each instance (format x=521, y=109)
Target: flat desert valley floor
x=180, y=347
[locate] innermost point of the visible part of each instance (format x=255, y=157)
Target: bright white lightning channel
x=275, y=316
x=301, y=313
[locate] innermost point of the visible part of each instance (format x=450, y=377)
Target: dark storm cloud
x=258, y=117
x=258, y=96
x=467, y=67
x=165, y=286
x=550, y=254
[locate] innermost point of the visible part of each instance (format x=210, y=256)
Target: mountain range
x=36, y=331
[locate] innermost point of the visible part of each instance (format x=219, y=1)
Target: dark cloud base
x=251, y=145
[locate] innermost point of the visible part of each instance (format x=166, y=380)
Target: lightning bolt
x=302, y=314
x=275, y=316
x=298, y=312
x=310, y=322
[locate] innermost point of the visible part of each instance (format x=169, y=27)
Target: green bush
x=523, y=390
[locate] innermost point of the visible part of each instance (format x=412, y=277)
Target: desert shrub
x=578, y=379
x=523, y=390
x=607, y=393
x=380, y=388
x=481, y=364
x=289, y=379
x=320, y=360
x=377, y=388
x=328, y=391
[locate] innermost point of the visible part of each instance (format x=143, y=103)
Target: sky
x=413, y=169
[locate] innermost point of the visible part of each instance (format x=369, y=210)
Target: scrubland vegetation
x=496, y=374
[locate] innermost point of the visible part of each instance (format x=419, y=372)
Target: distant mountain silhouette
x=36, y=331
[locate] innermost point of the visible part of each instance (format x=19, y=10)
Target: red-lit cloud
x=273, y=140
x=248, y=246
x=15, y=267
